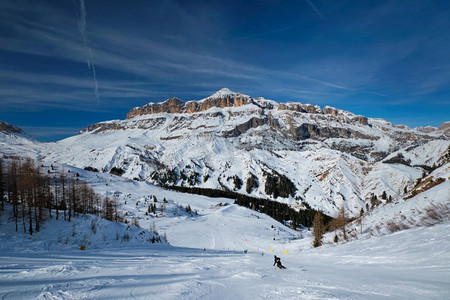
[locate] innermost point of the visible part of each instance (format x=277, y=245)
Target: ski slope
x=412, y=264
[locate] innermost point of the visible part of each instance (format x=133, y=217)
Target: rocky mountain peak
x=225, y=93
x=8, y=128
x=443, y=129
x=222, y=98
x=445, y=126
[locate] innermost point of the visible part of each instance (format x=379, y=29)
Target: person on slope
x=278, y=262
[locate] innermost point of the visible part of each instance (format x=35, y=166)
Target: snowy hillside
x=86, y=230
x=407, y=265
x=290, y=152
x=17, y=144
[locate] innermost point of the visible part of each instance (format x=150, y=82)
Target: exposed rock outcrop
x=445, y=129
x=8, y=128
x=299, y=107
x=149, y=124
x=99, y=127
x=172, y=105
x=361, y=120
x=445, y=126
x=242, y=128
x=330, y=111
x=313, y=131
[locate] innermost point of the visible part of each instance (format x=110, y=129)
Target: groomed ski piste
x=220, y=251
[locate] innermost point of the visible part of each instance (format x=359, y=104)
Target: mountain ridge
x=228, y=98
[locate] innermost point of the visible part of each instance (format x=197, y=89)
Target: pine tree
x=342, y=220
x=252, y=183
x=71, y=198
x=163, y=207
x=86, y=204
x=63, y=203
x=374, y=201
x=361, y=213
x=135, y=222
x=27, y=190
x=76, y=196
x=13, y=190
x=48, y=196
x=56, y=198
x=319, y=229
x=108, y=209
x=40, y=200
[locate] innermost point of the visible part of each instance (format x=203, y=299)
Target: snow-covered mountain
x=15, y=143
x=290, y=152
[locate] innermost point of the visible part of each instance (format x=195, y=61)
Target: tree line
x=37, y=193
x=277, y=210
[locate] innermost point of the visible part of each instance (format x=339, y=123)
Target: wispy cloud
x=144, y=65
x=82, y=27
x=136, y=55
x=314, y=8
x=51, y=91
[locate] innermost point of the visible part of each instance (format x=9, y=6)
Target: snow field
x=412, y=264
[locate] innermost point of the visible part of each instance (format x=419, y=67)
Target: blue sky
x=67, y=64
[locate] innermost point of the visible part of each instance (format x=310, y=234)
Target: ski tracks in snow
x=340, y=272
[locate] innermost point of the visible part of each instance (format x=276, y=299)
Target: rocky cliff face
x=222, y=99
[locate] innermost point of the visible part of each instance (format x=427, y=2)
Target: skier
x=278, y=262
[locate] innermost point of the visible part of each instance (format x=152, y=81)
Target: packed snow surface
x=412, y=264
